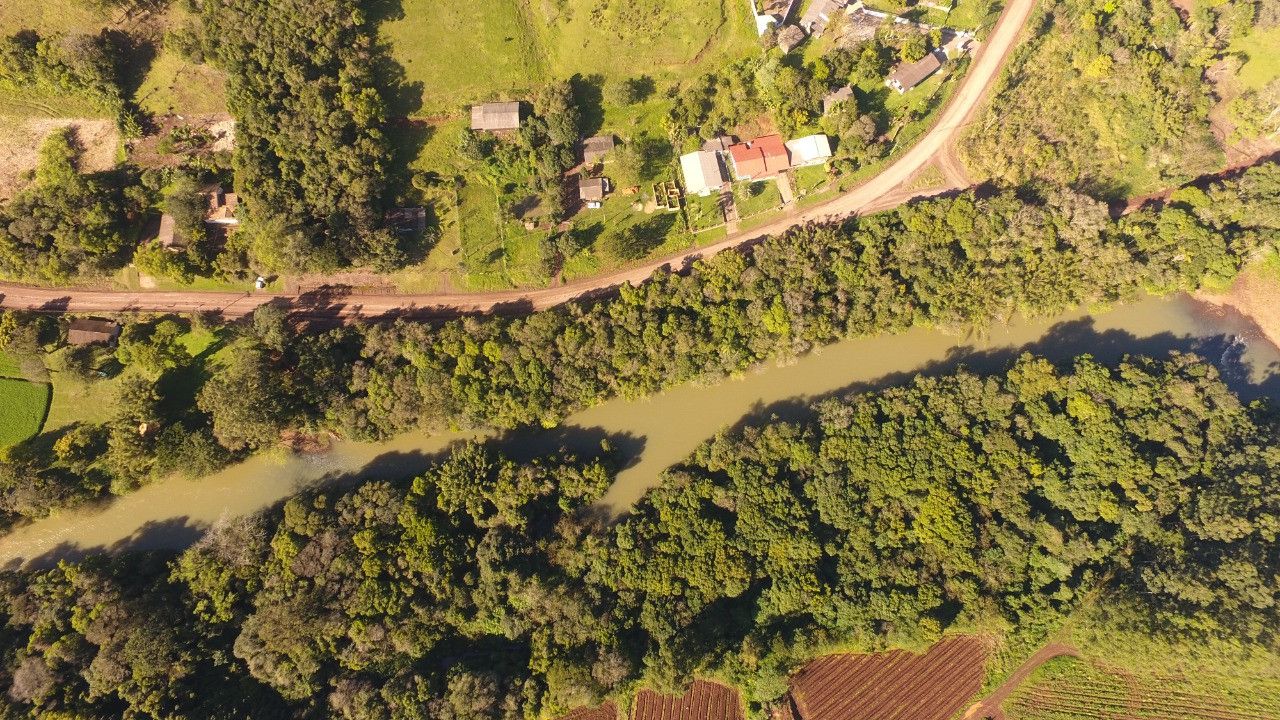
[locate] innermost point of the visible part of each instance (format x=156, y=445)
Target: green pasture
x=1261, y=50
x=23, y=406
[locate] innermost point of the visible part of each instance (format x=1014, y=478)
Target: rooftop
x=495, y=116
x=910, y=75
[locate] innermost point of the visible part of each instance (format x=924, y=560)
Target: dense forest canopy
x=310, y=153
x=489, y=589
x=960, y=262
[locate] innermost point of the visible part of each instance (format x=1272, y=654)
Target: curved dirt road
x=878, y=193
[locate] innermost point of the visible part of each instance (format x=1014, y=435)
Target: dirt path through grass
x=990, y=706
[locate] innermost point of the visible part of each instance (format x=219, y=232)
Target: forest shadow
x=1061, y=345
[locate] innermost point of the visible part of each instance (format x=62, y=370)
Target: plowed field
x=894, y=685
x=704, y=701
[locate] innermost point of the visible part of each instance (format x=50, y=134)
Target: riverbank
x=654, y=433
x=1254, y=294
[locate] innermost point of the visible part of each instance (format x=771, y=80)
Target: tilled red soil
x=894, y=685
x=704, y=701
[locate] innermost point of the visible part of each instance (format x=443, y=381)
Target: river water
x=656, y=432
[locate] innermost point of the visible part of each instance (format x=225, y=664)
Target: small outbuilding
x=809, y=150
x=833, y=99
x=909, y=75
x=819, y=13
x=790, y=37
x=720, y=143
x=495, y=116
x=166, y=234
x=592, y=190
x=702, y=173
x=92, y=331
x=595, y=148
x=407, y=220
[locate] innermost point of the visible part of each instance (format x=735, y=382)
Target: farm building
x=407, y=220
x=809, y=150
x=762, y=157
x=592, y=190
x=790, y=37
x=90, y=331
x=909, y=75
x=820, y=12
x=595, y=148
x=702, y=173
x=835, y=98
x=222, y=206
x=495, y=116
x=770, y=13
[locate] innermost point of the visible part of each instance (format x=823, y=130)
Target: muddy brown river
x=654, y=433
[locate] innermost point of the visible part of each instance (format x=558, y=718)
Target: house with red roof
x=760, y=158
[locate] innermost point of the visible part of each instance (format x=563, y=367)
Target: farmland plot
x=894, y=685
x=1070, y=689
x=704, y=701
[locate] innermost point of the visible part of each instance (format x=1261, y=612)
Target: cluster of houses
x=763, y=158
x=500, y=117
x=819, y=14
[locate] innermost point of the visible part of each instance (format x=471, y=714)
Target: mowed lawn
x=22, y=409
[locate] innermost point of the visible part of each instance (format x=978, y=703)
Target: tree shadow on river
x=1062, y=343
x=621, y=450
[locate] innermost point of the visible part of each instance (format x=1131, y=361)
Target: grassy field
x=1263, y=63
x=806, y=179
x=452, y=54
x=22, y=409
x=173, y=85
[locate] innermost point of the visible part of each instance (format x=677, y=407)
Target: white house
x=809, y=150
x=702, y=173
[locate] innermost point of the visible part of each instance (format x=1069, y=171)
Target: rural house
x=702, y=173
x=495, y=116
x=790, y=37
x=222, y=206
x=90, y=331
x=763, y=157
x=809, y=150
x=592, y=190
x=835, y=98
x=909, y=75
x=820, y=12
x=595, y=148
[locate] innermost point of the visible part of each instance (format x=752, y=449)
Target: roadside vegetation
x=1113, y=99
x=886, y=518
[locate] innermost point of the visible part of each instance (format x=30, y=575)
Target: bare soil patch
x=20, y=140
x=704, y=701
x=1255, y=295
x=893, y=685
x=158, y=148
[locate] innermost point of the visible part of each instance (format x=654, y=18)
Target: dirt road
x=990, y=707
x=878, y=193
